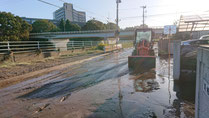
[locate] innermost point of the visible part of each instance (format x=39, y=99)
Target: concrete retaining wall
x=33, y=56
x=202, y=84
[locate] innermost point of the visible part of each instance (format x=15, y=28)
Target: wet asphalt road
x=152, y=95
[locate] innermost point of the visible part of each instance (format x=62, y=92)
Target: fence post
x=38, y=45
x=8, y=46
x=91, y=44
x=73, y=44
x=83, y=45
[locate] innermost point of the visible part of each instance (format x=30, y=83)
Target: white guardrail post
x=38, y=44
x=8, y=46
x=91, y=44
x=73, y=44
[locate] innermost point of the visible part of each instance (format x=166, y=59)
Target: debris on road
x=65, y=97
x=42, y=108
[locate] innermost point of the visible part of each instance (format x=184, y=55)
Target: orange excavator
x=143, y=58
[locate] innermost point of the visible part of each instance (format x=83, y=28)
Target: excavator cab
x=143, y=58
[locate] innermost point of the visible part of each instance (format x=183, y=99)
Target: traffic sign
x=170, y=29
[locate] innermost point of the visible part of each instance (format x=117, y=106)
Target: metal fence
x=44, y=46
x=82, y=44
x=47, y=46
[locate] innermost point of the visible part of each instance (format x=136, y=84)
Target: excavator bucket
x=139, y=64
x=142, y=59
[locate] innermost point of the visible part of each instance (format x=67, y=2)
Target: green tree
x=44, y=26
x=71, y=27
x=76, y=27
x=62, y=25
x=94, y=25
x=68, y=25
x=13, y=28
x=111, y=26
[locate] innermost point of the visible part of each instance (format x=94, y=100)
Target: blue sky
x=159, y=12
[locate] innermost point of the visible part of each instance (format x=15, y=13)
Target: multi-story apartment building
x=68, y=13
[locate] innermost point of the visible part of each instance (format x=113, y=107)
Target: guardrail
x=77, y=32
x=47, y=46
x=44, y=46
x=85, y=32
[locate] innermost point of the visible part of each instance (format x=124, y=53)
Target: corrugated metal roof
x=194, y=23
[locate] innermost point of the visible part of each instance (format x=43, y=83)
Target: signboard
x=170, y=29
x=144, y=36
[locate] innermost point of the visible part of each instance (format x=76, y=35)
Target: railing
x=77, y=32
x=47, y=46
x=43, y=46
x=86, y=32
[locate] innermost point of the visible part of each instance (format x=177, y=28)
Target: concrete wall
x=34, y=56
x=202, y=84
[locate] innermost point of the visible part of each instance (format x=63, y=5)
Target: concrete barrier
x=202, y=84
x=34, y=56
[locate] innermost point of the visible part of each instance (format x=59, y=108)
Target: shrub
x=101, y=46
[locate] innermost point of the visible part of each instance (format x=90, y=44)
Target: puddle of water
x=152, y=95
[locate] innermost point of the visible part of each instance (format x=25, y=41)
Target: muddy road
x=101, y=88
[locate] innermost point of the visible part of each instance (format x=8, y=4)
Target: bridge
x=82, y=34
x=62, y=38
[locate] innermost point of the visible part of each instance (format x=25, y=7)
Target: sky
x=158, y=12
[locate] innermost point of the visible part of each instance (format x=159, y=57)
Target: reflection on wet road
x=149, y=95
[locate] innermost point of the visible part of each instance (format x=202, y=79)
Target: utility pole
x=117, y=21
x=143, y=7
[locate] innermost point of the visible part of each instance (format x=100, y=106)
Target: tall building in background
x=68, y=13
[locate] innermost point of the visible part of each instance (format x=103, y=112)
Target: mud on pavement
x=100, y=88
x=17, y=72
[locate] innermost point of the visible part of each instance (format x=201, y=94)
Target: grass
x=8, y=64
x=91, y=51
x=127, y=45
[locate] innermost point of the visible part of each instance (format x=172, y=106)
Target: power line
x=154, y=6
x=156, y=15
x=49, y=3
x=88, y=11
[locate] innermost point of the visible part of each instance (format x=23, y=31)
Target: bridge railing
x=71, y=32
x=43, y=46
x=76, y=32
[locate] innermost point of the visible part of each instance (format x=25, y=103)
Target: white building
x=68, y=13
